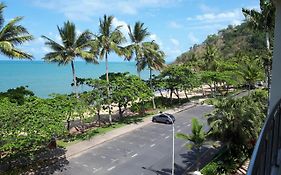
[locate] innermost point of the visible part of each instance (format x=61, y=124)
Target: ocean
x=46, y=78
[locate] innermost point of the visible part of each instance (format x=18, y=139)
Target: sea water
x=46, y=78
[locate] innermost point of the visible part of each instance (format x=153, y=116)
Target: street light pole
x=173, y=154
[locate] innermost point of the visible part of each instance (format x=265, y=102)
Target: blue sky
x=175, y=24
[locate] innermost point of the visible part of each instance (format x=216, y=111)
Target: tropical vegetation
x=227, y=62
x=13, y=34
x=72, y=46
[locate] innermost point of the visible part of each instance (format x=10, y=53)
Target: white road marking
x=103, y=157
x=188, y=124
x=179, y=130
x=134, y=155
x=152, y=145
x=109, y=169
x=84, y=165
x=114, y=160
x=167, y=137
x=96, y=169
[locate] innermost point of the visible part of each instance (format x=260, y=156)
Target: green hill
x=229, y=42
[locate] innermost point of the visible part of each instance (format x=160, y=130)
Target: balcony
x=266, y=158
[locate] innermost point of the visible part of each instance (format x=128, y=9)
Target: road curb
x=80, y=147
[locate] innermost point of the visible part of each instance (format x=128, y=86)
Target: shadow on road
x=44, y=162
x=189, y=162
x=167, y=171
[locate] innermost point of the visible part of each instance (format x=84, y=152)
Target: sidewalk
x=78, y=148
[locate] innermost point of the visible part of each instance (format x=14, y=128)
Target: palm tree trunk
x=74, y=78
x=171, y=95
x=107, y=80
x=185, y=93
x=267, y=66
x=150, y=81
x=197, y=159
x=160, y=91
x=99, y=118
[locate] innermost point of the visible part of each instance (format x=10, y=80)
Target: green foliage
x=29, y=127
x=175, y=78
x=17, y=95
x=197, y=139
x=73, y=45
x=250, y=71
x=12, y=35
x=262, y=20
x=237, y=122
x=198, y=136
x=126, y=88
x=228, y=42
x=210, y=169
x=109, y=38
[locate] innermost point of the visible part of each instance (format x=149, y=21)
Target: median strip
x=109, y=169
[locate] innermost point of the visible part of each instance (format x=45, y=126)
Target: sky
x=175, y=25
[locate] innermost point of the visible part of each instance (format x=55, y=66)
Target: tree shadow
x=179, y=170
x=206, y=155
x=43, y=162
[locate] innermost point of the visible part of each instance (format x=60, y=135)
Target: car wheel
x=153, y=120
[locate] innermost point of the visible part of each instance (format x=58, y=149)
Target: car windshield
x=169, y=115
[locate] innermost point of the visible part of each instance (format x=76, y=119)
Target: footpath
x=80, y=147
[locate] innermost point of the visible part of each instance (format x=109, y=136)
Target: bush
x=210, y=169
x=137, y=107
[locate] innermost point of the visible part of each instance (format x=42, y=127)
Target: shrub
x=210, y=169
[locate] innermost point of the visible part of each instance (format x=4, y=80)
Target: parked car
x=164, y=118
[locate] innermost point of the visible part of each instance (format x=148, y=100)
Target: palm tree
x=72, y=46
x=197, y=139
x=263, y=20
x=210, y=57
x=236, y=121
x=108, y=40
x=12, y=35
x=250, y=72
x=153, y=58
x=137, y=37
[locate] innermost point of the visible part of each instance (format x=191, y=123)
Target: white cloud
x=86, y=9
x=206, y=9
x=215, y=21
x=174, y=49
x=192, y=38
x=116, y=22
x=230, y=16
x=175, y=25
x=156, y=38
x=175, y=42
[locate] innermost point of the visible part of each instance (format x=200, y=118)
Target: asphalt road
x=145, y=151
